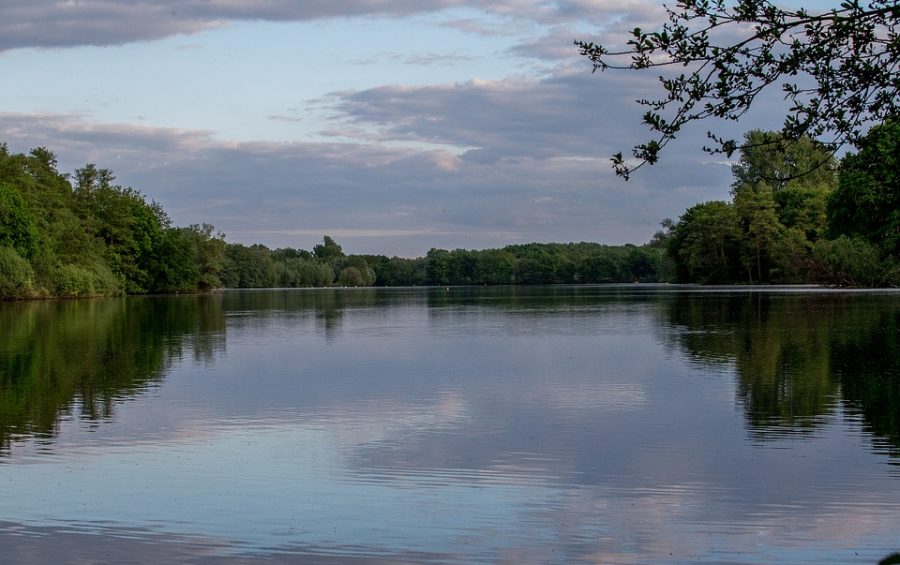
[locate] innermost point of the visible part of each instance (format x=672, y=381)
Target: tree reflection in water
x=798, y=356
x=62, y=356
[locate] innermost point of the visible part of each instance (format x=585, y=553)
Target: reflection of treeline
x=868, y=367
x=55, y=356
x=525, y=298
x=797, y=215
x=798, y=356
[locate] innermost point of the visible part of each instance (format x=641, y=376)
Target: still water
x=625, y=424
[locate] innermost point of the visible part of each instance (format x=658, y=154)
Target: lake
x=592, y=424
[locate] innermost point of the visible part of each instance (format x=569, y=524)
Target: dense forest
x=797, y=215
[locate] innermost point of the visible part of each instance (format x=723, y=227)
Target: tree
x=758, y=218
x=847, y=261
x=285, y=253
x=867, y=201
x=124, y=221
x=328, y=250
x=661, y=237
x=704, y=243
x=437, y=266
x=175, y=268
x=463, y=265
x=16, y=275
x=351, y=276
x=209, y=254
x=601, y=268
x=494, y=266
x=801, y=174
x=397, y=271
x=248, y=267
x=839, y=68
x=538, y=265
x=17, y=225
x=783, y=164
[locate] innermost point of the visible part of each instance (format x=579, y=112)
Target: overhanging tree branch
x=850, y=54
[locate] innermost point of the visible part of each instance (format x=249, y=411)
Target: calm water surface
x=622, y=424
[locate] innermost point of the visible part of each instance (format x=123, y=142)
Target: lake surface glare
x=590, y=424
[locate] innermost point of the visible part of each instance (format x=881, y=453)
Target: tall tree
x=780, y=190
x=209, y=254
x=437, y=266
x=867, y=201
x=704, y=243
x=328, y=249
x=837, y=68
x=17, y=224
x=784, y=164
x=761, y=229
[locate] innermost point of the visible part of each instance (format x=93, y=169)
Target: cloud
x=556, y=45
x=608, y=23
x=499, y=119
x=480, y=27
x=47, y=23
x=438, y=59
x=418, y=59
x=53, y=23
x=571, y=117
x=285, y=118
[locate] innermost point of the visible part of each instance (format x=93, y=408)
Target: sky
x=394, y=126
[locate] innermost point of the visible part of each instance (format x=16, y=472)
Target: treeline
x=535, y=263
x=798, y=216
x=84, y=235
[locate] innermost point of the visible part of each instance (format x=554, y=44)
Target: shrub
x=72, y=281
x=850, y=261
x=351, y=276
x=16, y=275
x=104, y=280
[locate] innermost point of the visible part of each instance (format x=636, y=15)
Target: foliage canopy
x=836, y=226
x=867, y=201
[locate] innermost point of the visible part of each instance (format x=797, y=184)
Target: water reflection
x=552, y=424
x=797, y=357
x=88, y=355
x=327, y=306
x=106, y=544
